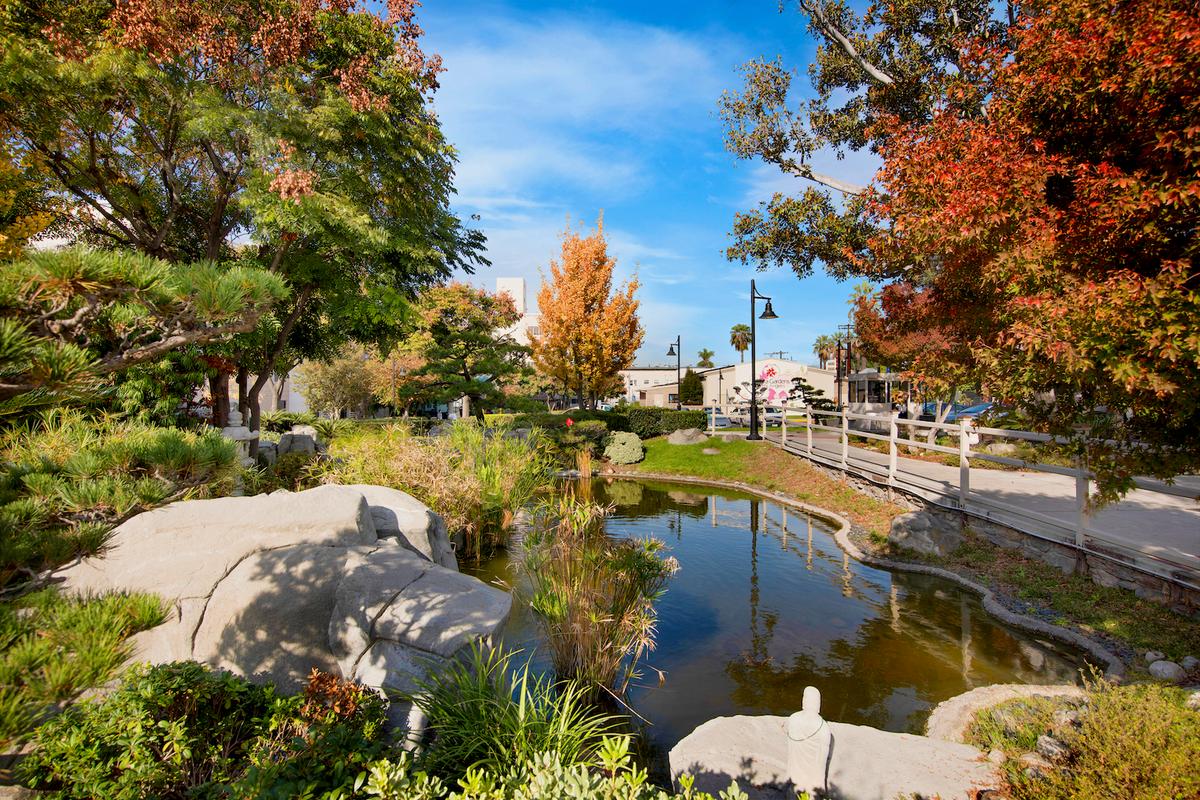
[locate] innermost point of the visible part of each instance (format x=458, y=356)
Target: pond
x=766, y=603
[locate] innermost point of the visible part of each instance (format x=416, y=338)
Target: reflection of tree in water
x=898, y=663
x=652, y=499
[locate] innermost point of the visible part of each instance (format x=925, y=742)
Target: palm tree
x=705, y=358
x=739, y=338
x=824, y=348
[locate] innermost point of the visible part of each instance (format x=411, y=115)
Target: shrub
x=284, y=421
x=650, y=421
x=610, y=774
x=180, y=730
x=624, y=448
x=592, y=595
x=551, y=421
x=55, y=645
x=484, y=711
x=1139, y=742
x=591, y=432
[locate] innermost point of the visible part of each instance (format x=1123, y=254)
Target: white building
x=527, y=326
x=730, y=385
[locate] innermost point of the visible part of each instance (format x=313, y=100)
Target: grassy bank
x=1027, y=585
x=762, y=464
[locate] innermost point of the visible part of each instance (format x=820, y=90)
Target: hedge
x=649, y=421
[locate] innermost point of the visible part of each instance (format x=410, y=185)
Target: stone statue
x=810, y=743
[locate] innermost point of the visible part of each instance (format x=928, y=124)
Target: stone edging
x=992, y=605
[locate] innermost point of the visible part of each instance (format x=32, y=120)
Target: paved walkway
x=1160, y=527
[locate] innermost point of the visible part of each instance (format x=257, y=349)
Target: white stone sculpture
x=809, y=744
x=241, y=436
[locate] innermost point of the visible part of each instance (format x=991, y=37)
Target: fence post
x=1081, y=498
x=964, y=460
x=893, y=432
x=808, y=422
x=845, y=438
x=783, y=427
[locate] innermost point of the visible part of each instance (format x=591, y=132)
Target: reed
x=593, y=595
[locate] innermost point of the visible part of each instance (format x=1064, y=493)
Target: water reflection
x=759, y=611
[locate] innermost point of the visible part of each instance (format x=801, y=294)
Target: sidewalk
x=1158, y=527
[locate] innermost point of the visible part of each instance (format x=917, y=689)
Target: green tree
x=691, y=388
x=343, y=383
x=805, y=393
x=739, y=339
x=459, y=338
x=175, y=128
x=825, y=348
x=70, y=318
x=705, y=358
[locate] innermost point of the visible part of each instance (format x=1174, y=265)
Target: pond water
x=766, y=603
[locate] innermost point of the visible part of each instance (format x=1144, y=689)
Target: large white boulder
x=400, y=515
x=865, y=763
x=274, y=585
x=687, y=436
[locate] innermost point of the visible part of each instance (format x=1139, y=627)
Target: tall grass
x=593, y=595
x=476, y=477
x=488, y=711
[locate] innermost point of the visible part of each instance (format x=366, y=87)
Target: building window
x=534, y=330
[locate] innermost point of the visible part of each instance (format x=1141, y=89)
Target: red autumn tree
x=1043, y=241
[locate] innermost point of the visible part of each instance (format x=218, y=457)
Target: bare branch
x=817, y=12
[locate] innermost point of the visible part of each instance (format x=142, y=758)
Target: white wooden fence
x=1075, y=530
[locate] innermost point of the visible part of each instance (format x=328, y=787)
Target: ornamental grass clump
x=66, y=479
x=488, y=711
x=593, y=595
x=476, y=477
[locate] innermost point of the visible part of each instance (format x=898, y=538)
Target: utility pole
x=778, y=354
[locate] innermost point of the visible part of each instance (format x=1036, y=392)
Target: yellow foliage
x=589, y=331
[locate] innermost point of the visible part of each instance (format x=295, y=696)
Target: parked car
x=720, y=421
x=972, y=411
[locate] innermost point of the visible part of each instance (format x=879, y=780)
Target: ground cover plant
x=181, y=730
x=52, y=646
x=593, y=595
x=1135, y=742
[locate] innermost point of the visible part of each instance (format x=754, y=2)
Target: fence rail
x=796, y=435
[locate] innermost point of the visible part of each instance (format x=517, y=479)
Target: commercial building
x=729, y=386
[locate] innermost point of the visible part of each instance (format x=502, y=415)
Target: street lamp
x=676, y=349
x=768, y=313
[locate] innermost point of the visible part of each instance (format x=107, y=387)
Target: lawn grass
x=764, y=465
x=1029, y=585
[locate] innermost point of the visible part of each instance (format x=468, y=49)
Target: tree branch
x=117, y=361
x=817, y=13
x=801, y=170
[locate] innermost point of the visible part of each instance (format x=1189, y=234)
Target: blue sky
x=559, y=110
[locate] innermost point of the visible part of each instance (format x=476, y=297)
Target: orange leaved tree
x=589, y=330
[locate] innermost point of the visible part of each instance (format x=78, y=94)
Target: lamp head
x=768, y=312
x=671, y=350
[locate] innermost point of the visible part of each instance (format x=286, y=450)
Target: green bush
x=181, y=730
x=650, y=421
x=624, y=448
x=284, y=421
x=551, y=422
x=1135, y=742
x=294, y=471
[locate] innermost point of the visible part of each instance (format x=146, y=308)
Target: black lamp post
x=676, y=349
x=768, y=313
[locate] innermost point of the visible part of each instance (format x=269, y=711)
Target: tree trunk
x=218, y=390
x=243, y=380
x=268, y=364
